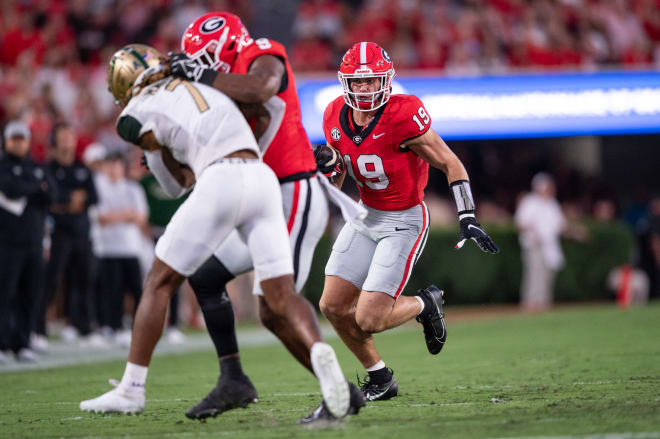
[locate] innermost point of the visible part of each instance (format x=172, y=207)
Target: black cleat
x=378, y=392
x=433, y=319
x=226, y=395
x=321, y=415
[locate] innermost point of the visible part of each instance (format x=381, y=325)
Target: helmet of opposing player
x=366, y=60
x=125, y=66
x=215, y=39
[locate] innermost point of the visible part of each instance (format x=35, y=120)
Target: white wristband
x=463, y=196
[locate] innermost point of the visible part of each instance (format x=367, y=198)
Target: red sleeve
x=326, y=123
x=331, y=122
x=412, y=118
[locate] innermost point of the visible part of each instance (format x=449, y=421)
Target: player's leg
x=197, y=228
x=161, y=282
x=265, y=233
x=209, y=283
x=401, y=240
x=338, y=306
x=233, y=388
x=306, y=215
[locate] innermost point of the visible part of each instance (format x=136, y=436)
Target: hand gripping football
x=328, y=161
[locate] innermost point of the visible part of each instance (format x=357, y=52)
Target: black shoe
x=322, y=415
x=226, y=395
x=378, y=392
x=433, y=319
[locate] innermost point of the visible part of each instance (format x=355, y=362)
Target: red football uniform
x=389, y=176
x=285, y=146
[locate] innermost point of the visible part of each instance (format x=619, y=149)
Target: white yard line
x=626, y=435
x=69, y=354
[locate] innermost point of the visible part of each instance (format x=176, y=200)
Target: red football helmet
x=366, y=60
x=215, y=39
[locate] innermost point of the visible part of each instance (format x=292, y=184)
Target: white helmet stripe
x=363, y=53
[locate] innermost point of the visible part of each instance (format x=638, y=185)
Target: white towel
x=350, y=210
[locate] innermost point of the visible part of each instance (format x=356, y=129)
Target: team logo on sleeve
x=335, y=134
x=212, y=24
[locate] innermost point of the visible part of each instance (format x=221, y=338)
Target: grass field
x=572, y=372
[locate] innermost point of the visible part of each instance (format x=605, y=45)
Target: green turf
x=570, y=372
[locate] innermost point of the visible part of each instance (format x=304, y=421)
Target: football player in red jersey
x=387, y=145
x=219, y=52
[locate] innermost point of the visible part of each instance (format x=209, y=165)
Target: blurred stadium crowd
x=53, y=56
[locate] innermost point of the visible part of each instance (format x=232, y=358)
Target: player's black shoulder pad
x=129, y=128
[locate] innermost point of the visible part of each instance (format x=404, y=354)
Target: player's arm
x=176, y=179
x=431, y=148
x=262, y=81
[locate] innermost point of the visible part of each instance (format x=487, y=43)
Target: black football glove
x=183, y=67
x=471, y=229
x=328, y=161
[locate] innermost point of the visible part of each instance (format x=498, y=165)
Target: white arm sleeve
x=163, y=176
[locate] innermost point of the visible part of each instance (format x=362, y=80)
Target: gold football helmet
x=126, y=65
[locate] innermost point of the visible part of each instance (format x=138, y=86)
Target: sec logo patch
x=335, y=134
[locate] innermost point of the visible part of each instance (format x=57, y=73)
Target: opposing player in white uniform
x=195, y=135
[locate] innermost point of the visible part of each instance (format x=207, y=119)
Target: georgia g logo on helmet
x=212, y=24
x=386, y=57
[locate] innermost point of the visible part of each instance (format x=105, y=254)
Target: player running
x=193, y=134
x=256, y=73
x=387, y=146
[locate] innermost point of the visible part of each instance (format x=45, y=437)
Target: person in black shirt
x=70, y=252
x=26, y=190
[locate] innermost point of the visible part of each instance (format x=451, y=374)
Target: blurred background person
x=70, y=252
x=540, y=222
x=94, y=157
x=122, y=214
x=26, y=190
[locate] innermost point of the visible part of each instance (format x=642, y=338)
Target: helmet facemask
x=367, y=101
x=209, y=55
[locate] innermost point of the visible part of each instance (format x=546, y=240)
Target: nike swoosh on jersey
x=377, y=136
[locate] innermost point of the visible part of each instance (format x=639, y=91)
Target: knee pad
x=209, y=282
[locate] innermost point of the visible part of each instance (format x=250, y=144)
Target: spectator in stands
x=540, y=222
x=70, y=252
x=26, y=190
x=121, y=213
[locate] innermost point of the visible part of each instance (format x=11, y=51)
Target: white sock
x=377, y=366
x=421, y=302
x=135, y=376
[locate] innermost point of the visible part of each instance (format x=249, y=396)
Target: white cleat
x=174, y=336
x=69, y=334
x=121, y=399
x=334, y=387
x=123, y=338
x=26, y=355
x=38, y=343
x=94, y=341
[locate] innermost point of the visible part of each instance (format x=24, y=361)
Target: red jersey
x=388, y=175
x=284, y=144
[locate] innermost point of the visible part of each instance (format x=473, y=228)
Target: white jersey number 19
x=370, y=167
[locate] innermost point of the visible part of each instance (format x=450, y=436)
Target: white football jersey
x=197, y=123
